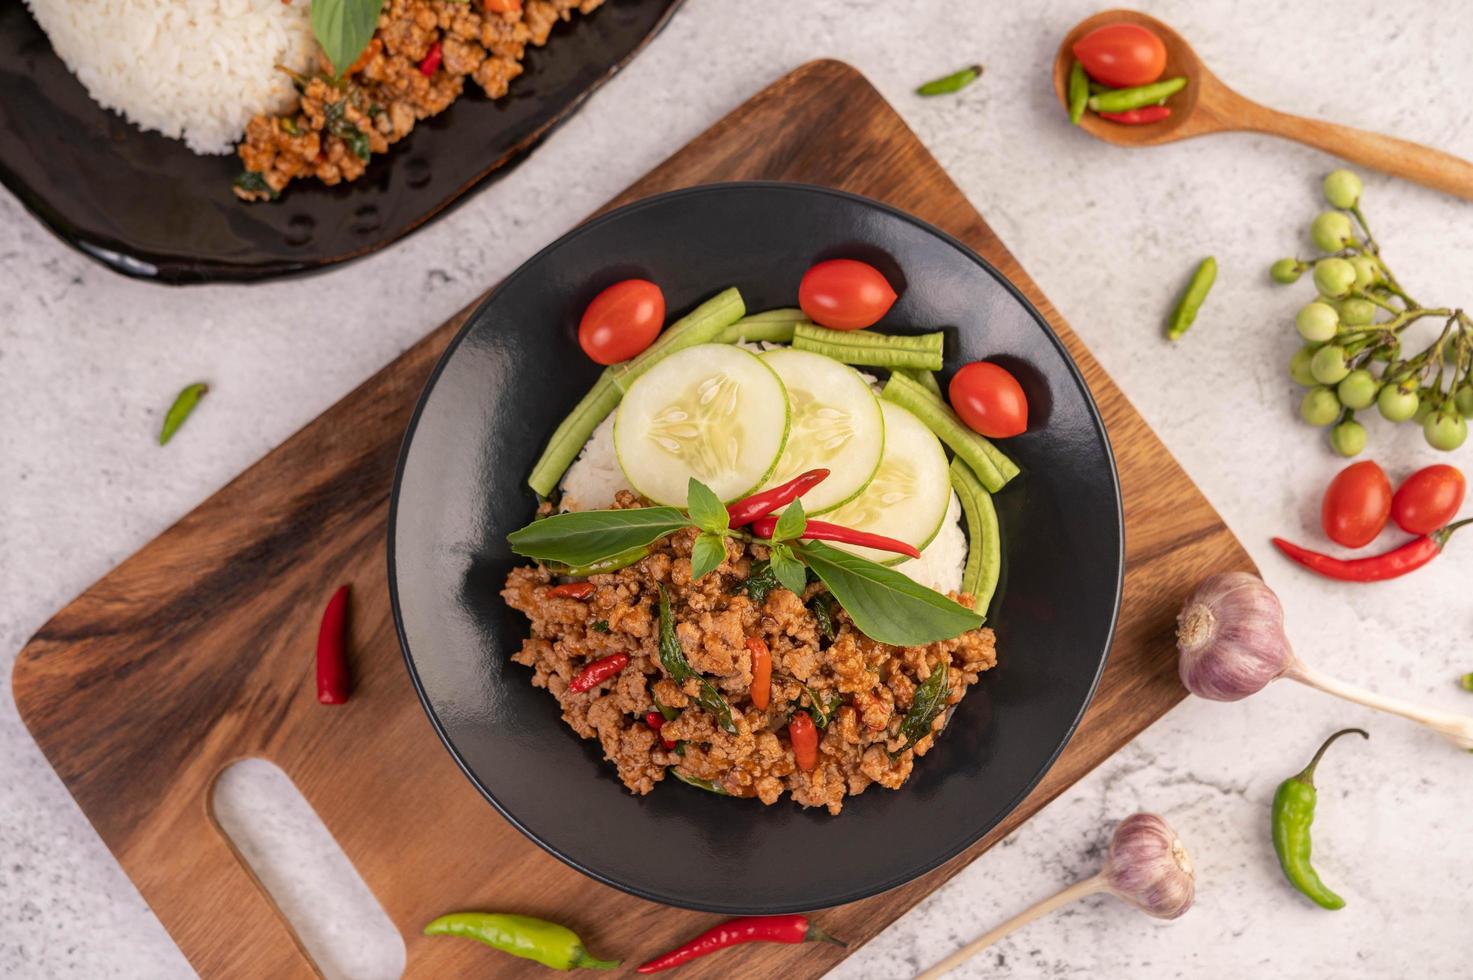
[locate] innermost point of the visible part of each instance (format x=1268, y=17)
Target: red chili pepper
x=1138, y=117
x=1373, y=568
x=572, y=590
x=332, y=650
x=748, y=509
x=431, y=62
x=804, y=736
x=824, y=531
x=598, y=672
x=747, y=929
x=761, y=689
x=655, y=721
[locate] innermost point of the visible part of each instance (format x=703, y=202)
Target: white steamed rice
x=195, y=70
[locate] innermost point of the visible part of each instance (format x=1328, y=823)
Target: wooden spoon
x=1206, y=105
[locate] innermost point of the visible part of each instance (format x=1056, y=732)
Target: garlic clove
x=1230, y=637
x=1149, y=867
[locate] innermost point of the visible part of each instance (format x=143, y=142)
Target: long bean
x=922, y=351
x=990, y=464
x=769, y=326
x=926, y=379
x=984, y=546
x=568, y=439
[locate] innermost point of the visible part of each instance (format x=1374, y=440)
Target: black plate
x=145, y=206
x=510, y=376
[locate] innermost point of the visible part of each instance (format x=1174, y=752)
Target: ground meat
x=865, y=686
x=338, y=126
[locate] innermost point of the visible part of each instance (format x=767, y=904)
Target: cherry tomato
x=989, y=400
x=1121, y=55
x=1428, y=499
x=844, y=294
x=622, y=321
x=1356, y=505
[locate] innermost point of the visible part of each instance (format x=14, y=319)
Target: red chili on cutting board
x=333, y=681
x=747, y=929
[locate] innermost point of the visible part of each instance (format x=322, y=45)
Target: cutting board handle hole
x=285, y=844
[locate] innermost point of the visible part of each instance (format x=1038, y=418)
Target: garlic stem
x=1458, y=728
x=1074, y=892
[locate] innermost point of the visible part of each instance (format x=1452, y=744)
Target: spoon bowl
x=1207, y=105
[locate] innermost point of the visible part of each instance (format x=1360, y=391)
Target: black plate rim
x=952, y=849
x=171, y=269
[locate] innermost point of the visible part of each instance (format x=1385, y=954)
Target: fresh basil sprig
x=785, y=565
x=885, y=605
x=708, y=513
x=929, y=701
x=589, y=536
x=344, y=28
x=672, y=658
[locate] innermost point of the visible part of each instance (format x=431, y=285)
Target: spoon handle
x=1401, y=158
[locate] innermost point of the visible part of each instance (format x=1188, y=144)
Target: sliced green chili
x=184, y=403
x=955, y=82
x=1191, y=300
x=1078, y=93
x=1125, y=99
x=521, y=935
x=1293, y=814
x=920, y=351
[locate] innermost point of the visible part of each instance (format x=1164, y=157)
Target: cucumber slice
x=837, y=424
x=713, y=412
x=908, y=497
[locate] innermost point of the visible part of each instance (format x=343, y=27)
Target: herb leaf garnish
x=929, y=701
x=344, y=28
x=708, y=552
x=698, y=782
x=790, y=523
x=822, y=608
x=707, y=512
x=672, y=658
x=821, y=709
x=788, y=569
x=761, y=579
x=585, y=537
x=885, y=605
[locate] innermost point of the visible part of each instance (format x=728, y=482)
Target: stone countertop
x=89, y=360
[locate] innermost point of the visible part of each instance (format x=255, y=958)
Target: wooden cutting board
x=198, y=650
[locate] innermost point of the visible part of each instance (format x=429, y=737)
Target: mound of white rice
x=195, y=70
x=595, y=477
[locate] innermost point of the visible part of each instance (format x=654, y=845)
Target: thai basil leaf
x=885, y=605
x=590, y=536
x=761, y=579
x=707, y=511
x=789, y=570
x=929, y=701
x=344, y=28
x=822, y=608
x=253, y=183
x=790, y=523
x=672, y=658
x=709, y=551
x=821, y=708
x=599, y=626
x=698, y=782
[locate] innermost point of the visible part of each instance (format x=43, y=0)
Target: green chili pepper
x=184, y=403
x=611, y=564
x=521, y=935
x=954, y=82
x=1466, y=681
x=1293, y=813
x=1095, y=88
x=1191, y=300
x=1124, y=99
x=1078, y=93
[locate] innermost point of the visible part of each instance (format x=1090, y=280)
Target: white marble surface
x=88, y=361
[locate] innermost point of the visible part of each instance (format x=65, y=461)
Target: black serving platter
x=145, y=206
x=515, y=370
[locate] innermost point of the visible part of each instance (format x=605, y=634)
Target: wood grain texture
x=1209, y=105
x=198, y=650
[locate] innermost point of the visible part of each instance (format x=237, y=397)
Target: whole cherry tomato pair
x=1359, y=501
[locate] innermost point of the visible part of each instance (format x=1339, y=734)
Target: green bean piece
x=770, y=326
x=1191, y=300
x=926, y=379
x=184, y=403
x=568, y=439
x=922, y=351
x=1078, y=93
x=990, y=464
x=701, y=325
x=955, y=82
x=984, y=537
x=1125, y=99
x=1292, y=816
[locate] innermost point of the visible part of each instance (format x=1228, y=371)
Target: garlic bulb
x=1149, y=867
x=1231, y=638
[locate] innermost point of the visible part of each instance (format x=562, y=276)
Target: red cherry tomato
x=1121, y=55
x=989, y=400
x=1428, y=499
x=1356, y=505
x=843, y=294
x=622, y=321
